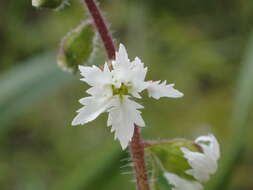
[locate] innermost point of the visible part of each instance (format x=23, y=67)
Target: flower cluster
x=202, y=164
x=113, y=90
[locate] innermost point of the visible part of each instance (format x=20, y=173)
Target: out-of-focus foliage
x=26, y=84
x=199, y=45
x=241, y=121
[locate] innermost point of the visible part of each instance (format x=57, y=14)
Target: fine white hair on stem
x=64, y=4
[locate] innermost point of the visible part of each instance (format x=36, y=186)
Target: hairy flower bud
x=171, y=157
x=185, y=164
x=77, y=47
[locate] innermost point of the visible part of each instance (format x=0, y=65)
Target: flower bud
x=77, y=47
x=51, y=4
x=185, y=163
x=171, y=157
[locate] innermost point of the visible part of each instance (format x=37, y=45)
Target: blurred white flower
x=112, y=91
x=180, y=183
x=35, y=3
x=203, y=164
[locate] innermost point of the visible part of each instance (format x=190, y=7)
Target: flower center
x=123, y=90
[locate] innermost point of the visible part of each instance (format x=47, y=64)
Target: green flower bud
x=77, y=47
x=51, y=4
x=184, y=164
x=169, y=157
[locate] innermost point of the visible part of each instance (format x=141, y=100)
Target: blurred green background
x=204, y=47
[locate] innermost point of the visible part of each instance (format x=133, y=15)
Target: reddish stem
x=138, y=158
x=102, y=28
x=136, y=145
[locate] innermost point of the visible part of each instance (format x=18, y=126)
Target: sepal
x=77, y=47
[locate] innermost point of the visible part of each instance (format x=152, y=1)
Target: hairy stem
x=102, y=28
x=138, y=158
x=136, y=145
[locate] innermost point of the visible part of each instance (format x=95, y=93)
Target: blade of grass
x=27, y=84
x=96, y=171
x=240, y=122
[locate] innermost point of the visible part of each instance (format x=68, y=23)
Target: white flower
x=203, y=164
x=156, y=90
x=36, y=3
x=180, y=183
x=112, y=91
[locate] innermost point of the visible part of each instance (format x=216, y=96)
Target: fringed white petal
x=93, y=107
x=157, y=90
x=180, y=183
x=94, y=76
x=123, y=115
x=203, y=164
x=129, y=73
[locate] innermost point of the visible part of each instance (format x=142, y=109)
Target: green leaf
x=27, y=84
x=240, y=122
x=157, y=179
x=170, y=157
x=77, y=47
x=51, y=4
x=167, y=156
x=96, y=171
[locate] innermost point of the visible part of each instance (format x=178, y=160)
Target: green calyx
x=169, y=157
x=77, y=47
x=123, y=90
x=51, y=4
